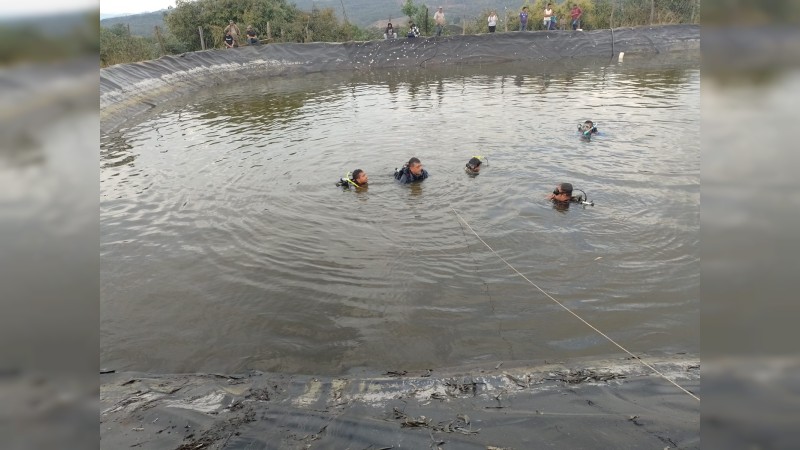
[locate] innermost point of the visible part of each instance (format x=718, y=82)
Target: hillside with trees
x=132, y=38
x=139, y=24
x=357, y=12
x=275, y=21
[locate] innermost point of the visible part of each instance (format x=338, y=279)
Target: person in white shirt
x=492, y=21
x=438, y=17
x=548, y=17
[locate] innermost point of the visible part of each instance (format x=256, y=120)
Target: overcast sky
x=132, y=6
x=11, y=8
x=45, y=7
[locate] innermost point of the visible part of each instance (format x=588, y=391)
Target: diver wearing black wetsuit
x=563, y=194
x=411, y=172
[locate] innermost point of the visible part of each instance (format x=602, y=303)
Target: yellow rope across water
x=571, y=312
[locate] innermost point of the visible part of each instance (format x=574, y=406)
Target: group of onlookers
x=390, y=33
x=232, y=33
x=549, y=21
x=549, y=18
x=413, y=29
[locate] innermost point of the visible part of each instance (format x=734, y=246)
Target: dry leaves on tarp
x=460, y=425
x=583, y=376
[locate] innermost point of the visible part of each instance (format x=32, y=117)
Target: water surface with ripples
x=226, y=246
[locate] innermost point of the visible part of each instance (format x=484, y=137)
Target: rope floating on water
x=571, y=312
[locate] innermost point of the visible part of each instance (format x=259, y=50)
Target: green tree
x=284, y=21
x=411, y=9
x=420, y=15
x=119, y=30
x=324, y=26
x=213, y=15
x=183, y=21
x=117, y=46
x=596, y=14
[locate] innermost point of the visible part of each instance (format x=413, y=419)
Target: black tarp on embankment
x=589, y=404
x=127, y=89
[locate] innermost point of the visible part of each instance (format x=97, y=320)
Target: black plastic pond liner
x=486, y=406
x=611, y=404
x=127, y=89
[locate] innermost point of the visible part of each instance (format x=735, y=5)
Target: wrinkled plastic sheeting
x=551, y=405
x=126, y=89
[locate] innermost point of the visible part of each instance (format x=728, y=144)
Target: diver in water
x=474, y=165
x=412, y=171
x=562, y=194
x=587, y=129
x=358, y=179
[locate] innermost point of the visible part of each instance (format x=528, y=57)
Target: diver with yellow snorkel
x=357, y=178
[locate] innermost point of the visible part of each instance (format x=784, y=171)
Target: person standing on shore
x=492, y=21
x=548, y=17
x=234, y=31
x=523, y=19
x=576, y=14
x=438, y=17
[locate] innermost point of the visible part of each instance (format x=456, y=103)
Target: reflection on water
x=226, y=245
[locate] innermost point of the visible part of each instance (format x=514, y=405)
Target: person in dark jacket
x=252, y=35
x=389, y=33
x=412, y=171
x=413, y=31
x=229, y=41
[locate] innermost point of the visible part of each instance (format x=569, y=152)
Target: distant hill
x=109, y=16
x=141, y=24
x=359, y=12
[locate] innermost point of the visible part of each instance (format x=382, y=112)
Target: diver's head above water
x=415, y=166
x=474, y=165
x=357, y=178
x=587, y=127
x=360, y=177
x=562, y=193
x=412, y=171
x=562, y=196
